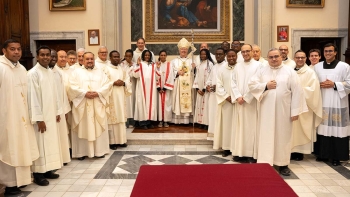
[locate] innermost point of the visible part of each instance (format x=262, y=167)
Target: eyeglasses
x=247, y=51
x=235, y=44
x=328, y=51
x=273, y=57
x=103, y=52
x=299, y=58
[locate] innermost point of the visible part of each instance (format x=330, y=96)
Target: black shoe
x=200, y=126
x=225, y=153
x=64, y=164
x=284, y=170
x=321, y=159
x=23, y=186
x=100, y=156
x=12, y=190
x=251, y=160
x=39, y=179
x=144, y=127
x=81, y=158
x=335, y=162
x=236, y=159
x=297, y=156
x=113, y=146
x=206, y=127
x=123, y=145
x=150, y=126
x=51, y=175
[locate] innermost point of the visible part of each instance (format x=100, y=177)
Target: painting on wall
x=67, y=5
x=305, y=3
x=170, y=20
x=282, y=33
x=94, y=37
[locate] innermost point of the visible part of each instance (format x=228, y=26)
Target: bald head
x=102, y=53
x=204, y=45
x=284, y=51
x=61, y=58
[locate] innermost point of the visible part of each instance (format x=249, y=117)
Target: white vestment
x=130, y=99
x=102, y=64
x=239, y=57
x=94, y=40
x=263, y=61
x=212, y=99
x=165, y=82
x=244, y=143
x=304, y=129
x=18, y=146
x=89, y=124
x=225, y=116
x=201, y=113
x=44, y=106
x=137, y=54
x=178, y=116
x=275, y=109
x=198, y=59
x=146, y=91
x=289, y=62
x=62, y=125
x=117, y=105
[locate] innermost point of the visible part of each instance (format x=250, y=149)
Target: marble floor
x=115, y=174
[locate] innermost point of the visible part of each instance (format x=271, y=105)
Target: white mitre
x=183, y=43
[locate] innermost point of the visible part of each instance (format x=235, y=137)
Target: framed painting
x=305, y=3
x=67, y=5
x=282, y=33
x=93, y=37
x=170, y=20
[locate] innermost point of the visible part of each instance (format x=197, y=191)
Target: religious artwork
x=170, y=20
x=305, y=3
x=67, y=5
x=282, y=33
x=94, y=37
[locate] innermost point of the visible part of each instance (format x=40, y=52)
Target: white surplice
x=44, y=106
x=137, y=54
x=239, y=57
x=244, y=142
x=165, y=82
x=117, y=107
x=212, y=99
x=89, y=124
x=225, y=118
x=18, y=145
x=146, y=91
x=304, y=129
x=275, y=109
x=201, y=113
x=130, y=99
x=62, y=125
x=178, y=116
x=102, y=64
x=289, y=62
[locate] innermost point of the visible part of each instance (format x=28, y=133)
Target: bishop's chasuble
x=89, y=124
x=44, y=106
x=18, y=146
x=117, y=107
x=275, y=109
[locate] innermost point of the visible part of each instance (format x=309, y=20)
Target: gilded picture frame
x=67, y=5
x=93, y=37
x=215, y=28
x=305, y=3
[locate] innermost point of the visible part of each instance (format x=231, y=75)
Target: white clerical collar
x=101, y=61
x=13, y=64
x=278, y=67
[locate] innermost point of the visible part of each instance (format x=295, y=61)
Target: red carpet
x=210, y=180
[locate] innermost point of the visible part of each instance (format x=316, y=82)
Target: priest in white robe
x=117, y=107
x=285, y=59
x=89, y=91
x=101, y=61
x=18, y=146
x=165, y=85
x=236, y=46
x=281, y=100
x=201, y=114
x=257, y=55
x=304, y=129
x=183, y=94
x=333, y=132
x=44, y=112
x=211, y=86
x=244, y=144
x=147, y=75
x=66, y=108
x=141, y=46
x=226, y=110
x=63, y=66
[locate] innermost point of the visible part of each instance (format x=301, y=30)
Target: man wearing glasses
x=332, y=134
x=277, y=88
x=304, y=129
x=284, y=54
x=101, y=61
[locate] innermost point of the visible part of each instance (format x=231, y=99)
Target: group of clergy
x=256, y=110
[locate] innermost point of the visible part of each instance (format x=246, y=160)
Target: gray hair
x=273, y=49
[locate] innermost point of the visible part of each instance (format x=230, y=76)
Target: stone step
x=169, y=142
